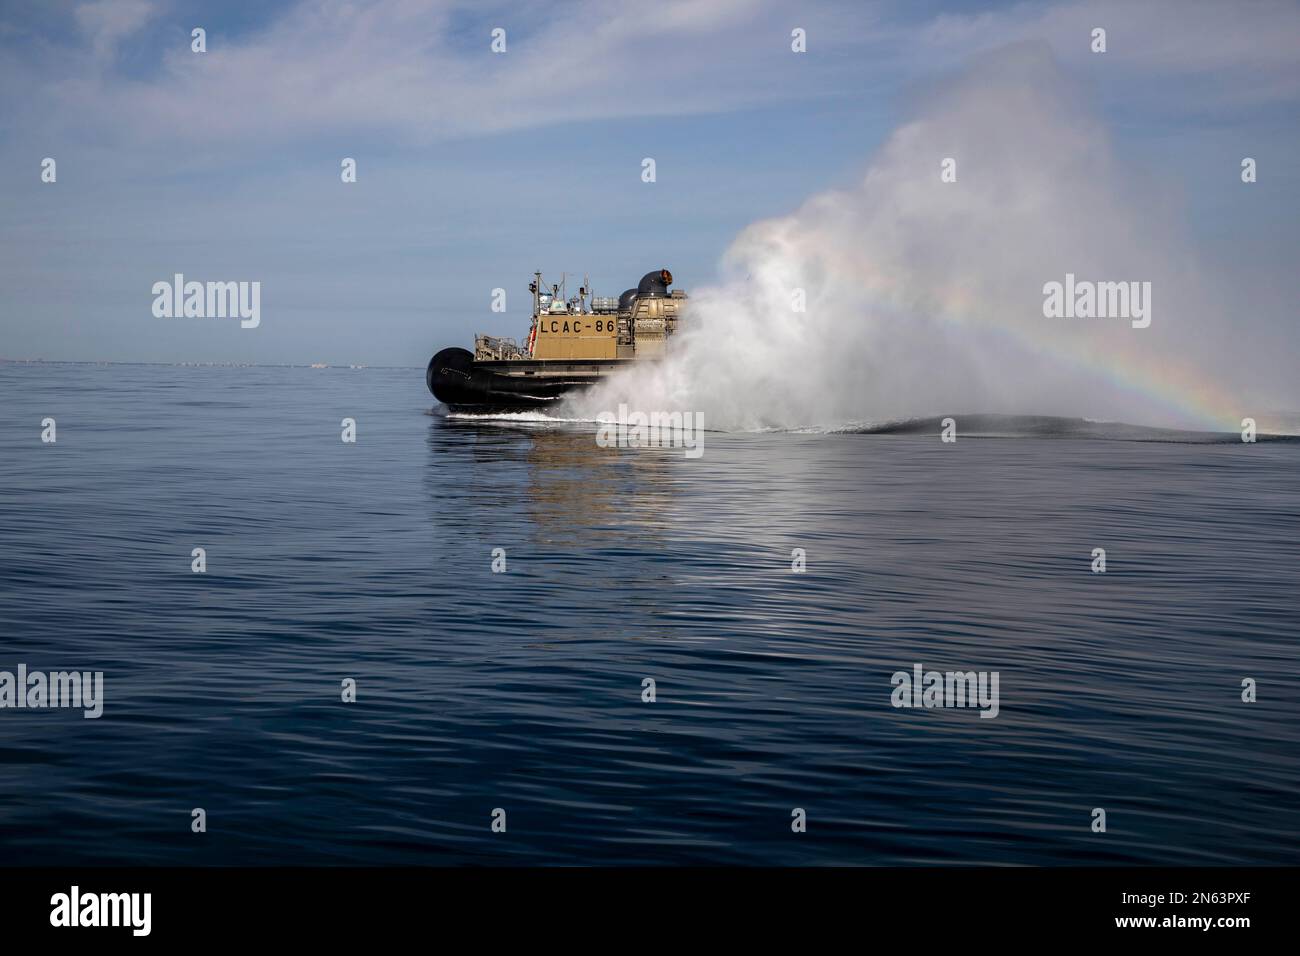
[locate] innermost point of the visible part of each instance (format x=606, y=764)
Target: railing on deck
x=490, y=348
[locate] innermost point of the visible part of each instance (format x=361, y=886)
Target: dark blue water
x=522, y=690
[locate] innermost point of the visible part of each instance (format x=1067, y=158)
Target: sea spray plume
x=925, y=297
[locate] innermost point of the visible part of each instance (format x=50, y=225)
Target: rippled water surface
x=523, y=690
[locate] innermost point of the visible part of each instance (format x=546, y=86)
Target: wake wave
x=540, y=418
x=967, y=426
x=1052, y=426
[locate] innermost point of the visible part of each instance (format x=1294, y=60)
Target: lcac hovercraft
x=571, y=345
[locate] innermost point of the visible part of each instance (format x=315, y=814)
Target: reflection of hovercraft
x=570, y=346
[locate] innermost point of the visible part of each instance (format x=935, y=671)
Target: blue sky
x=476, y=168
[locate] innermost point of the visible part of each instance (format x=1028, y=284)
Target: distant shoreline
x=350, y=368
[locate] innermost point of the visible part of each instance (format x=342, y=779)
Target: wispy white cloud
x=421, y=70
x=1250, y=49
x=408, y=67
x=104, y=23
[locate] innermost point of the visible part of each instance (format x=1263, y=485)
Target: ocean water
x=522, y=690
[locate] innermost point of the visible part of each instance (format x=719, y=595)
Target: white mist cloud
x=925, y=297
